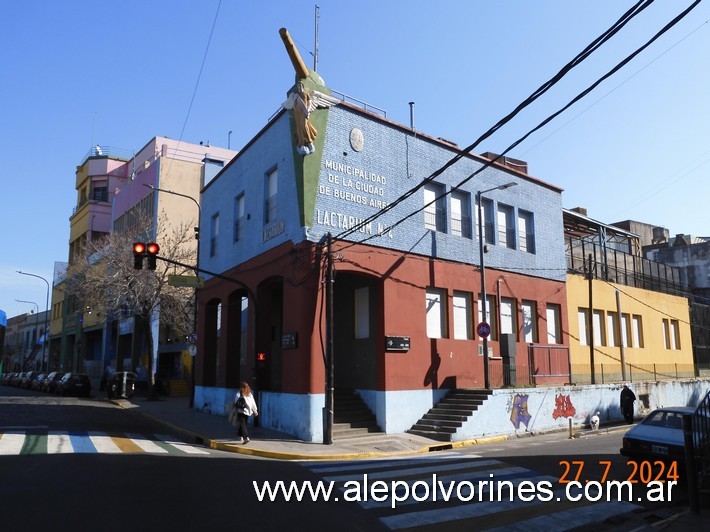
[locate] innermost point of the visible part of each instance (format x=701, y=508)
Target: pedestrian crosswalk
x=19, y=442
x=458, y=490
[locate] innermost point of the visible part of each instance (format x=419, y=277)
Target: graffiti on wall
x=563, y=407
x=519, y=413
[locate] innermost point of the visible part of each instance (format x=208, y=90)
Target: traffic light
x=141, y=250
x=261, y=360
x=152, y=250
x=138, y=254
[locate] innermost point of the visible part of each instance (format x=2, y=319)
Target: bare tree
x=106, y=279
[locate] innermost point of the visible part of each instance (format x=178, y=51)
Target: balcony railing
x=624, y=268
x=107, y=151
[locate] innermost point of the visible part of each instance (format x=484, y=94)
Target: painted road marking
x=189, y=449
x=62, y=442
x=11, y=442
x=148, y=446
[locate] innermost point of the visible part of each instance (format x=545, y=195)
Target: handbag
x=241, y=403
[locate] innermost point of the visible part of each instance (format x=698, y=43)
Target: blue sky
x=80, y=73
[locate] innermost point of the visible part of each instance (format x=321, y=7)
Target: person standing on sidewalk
x=627, y=399
x=245, y=406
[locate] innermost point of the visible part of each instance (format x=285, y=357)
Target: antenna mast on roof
x=315, y=55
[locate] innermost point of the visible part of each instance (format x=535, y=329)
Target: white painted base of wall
x=552, y=408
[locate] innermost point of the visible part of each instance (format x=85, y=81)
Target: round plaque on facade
x=357, y=140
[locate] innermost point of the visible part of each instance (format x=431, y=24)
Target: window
x=508, y=321
x=671, y=334
x=526, y=232
x=599, y=331
x=529, y=309
x=239, y=219
x=462, y=316
x=583, y=320
x=625, y=330
x=214, y=234
x=637, y=331
x=434, y=209
x=490, y=312
x=506, y=229
x=612, y=329
x=100, y=193
x=554, y=325
x=271, y=189
x=362, y=312
x=675, y=334
x=435, y=313
x=460, y=214
x=488, y=226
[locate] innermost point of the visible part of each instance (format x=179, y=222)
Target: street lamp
x=29, y=303
x=36, y=318
x=197, y=273
x=486, y=374
x=46, y=319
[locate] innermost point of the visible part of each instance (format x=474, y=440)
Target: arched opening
x=213, y=324
x=268, y=335
x=236, y=338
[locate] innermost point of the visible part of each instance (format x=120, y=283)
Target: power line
x=615, y=88
x=576, y=61
x=487, y=164
x=197, y=82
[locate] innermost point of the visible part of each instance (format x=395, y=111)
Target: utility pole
x=620, y=324
x=329, y=373
x=590, y=324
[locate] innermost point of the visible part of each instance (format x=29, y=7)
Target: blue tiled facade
x=355, y=184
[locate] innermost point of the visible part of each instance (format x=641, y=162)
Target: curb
x=280, y=455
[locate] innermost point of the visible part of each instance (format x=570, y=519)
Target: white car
x=659, y=436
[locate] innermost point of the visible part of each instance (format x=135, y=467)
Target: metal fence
x=701, y=450
x=623, y=268
x=609, y=373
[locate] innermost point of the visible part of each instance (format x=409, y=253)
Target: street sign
x=186, y=280
x=483, y=329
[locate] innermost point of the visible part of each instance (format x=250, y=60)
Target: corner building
x=407, y=288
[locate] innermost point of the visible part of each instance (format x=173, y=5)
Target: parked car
x=75, y=384
x=659, y=436
x=36, y=383
x=17, y=378
x=5, y=380
x=27, y=379
x=50, y=383
x=121, y=384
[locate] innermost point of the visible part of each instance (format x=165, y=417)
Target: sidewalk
x=214, y=431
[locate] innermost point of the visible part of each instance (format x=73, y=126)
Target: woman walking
x=245, y=406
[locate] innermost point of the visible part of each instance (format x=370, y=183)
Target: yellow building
x=648, y=331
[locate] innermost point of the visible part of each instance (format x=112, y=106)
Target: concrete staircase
x=178, y=388
x=351, y=416
x=448, y=415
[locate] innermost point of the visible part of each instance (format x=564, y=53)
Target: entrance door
x=357, y=331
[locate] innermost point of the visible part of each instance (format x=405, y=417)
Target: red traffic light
x=138, y=248
x=153, y=248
